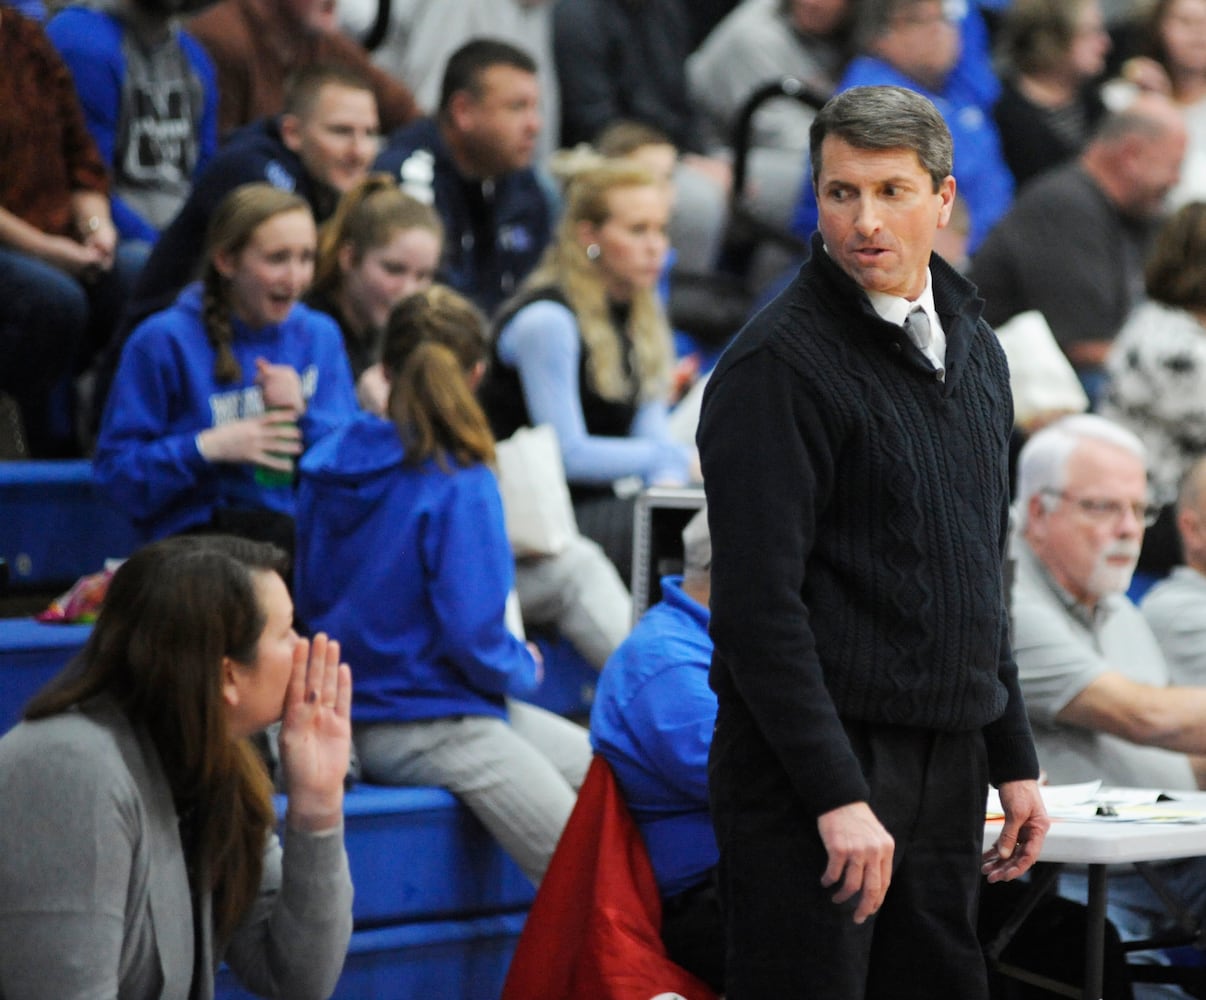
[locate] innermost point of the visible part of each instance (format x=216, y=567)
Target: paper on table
x=1055, y=797
x=1090, y=801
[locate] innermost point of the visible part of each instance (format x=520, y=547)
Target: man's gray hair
x=1043, y=462
x=697, y=544
x=885, y=118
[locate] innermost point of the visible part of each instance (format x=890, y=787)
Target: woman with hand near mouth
x=138, y=846
x=216, y=396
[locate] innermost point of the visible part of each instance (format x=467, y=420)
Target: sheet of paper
x=1095, y=802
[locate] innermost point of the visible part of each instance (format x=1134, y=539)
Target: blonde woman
x=585, y=347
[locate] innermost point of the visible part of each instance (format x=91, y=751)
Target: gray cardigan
x=94, y=896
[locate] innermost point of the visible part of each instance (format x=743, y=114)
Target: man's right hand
x=860, y=856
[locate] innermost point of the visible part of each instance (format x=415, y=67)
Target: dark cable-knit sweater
x=858, y=508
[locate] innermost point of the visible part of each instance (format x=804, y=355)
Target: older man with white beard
x=1095, y=682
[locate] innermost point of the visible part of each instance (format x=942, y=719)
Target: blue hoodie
x=652, y=720
x=165, y=394
x=409, y=566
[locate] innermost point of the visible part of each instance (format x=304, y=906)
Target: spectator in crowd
x=619, y=59
x=1074, y=242
x=652, y=720
x=258, y=46
x=1157, y=372
x=585, y=347
x=652, y=149
x=853, y=442
x=402, y=545
x=63, y=278
x=1175, y=607
x=915, y=44
x=473, y=161
x=150, y=100
x=137, y=849
x=760, y=42
x=421, y=35
x=1174, y=63
x=380, y=246
x=1053, y=53
x=216, y=396
x=1096, y=685
x=322, y=145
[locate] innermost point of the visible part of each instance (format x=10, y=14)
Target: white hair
x=1043, y=462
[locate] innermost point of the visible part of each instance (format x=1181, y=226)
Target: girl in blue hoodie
x=402, y=547
x=216, y=396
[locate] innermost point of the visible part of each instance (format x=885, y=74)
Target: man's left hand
x=1021, y=839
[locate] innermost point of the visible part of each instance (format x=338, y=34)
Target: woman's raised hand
x=316, y=735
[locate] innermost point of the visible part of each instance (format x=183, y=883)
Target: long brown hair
x=433, y=341
x=173, y=610
x=368, y=216
x=238, y=216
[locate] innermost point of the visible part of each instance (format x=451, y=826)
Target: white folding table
x=1098, y=844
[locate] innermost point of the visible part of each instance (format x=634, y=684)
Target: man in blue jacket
x=652, y=720
x=473, y=161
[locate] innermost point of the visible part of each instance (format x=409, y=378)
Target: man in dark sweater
x=853, y=442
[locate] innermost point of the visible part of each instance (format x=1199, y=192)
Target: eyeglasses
x=1101, y=509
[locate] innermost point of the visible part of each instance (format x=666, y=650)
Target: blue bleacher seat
x=30, y=654
x=448, y=960
x=569, y=680
x=439, y=905
x=417, y=854
x=54, y=526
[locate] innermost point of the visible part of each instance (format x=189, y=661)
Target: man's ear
x=946, y=192
x=460, y=110
x=1036, y=512
x=291, y=132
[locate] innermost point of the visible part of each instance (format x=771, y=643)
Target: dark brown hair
x=173, y=611
x=1175, y=273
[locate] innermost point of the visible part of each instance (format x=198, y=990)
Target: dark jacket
x=858, y=507
x=494, y=231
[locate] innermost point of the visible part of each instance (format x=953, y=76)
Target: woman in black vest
x=585, y=346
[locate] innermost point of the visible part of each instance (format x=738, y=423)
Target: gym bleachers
x=54, y=527
x=438, y=905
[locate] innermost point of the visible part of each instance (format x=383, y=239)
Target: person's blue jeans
x=51, y=326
